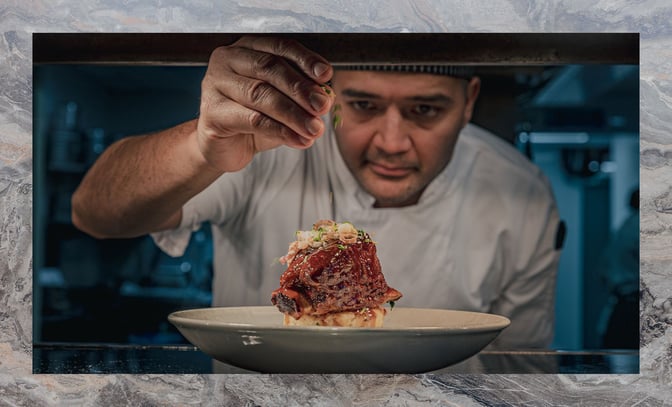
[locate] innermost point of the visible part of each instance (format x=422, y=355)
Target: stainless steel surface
x=346, y=48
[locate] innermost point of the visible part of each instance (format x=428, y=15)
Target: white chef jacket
x=481, y=238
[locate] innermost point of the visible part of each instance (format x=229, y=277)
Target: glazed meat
x=338, y=272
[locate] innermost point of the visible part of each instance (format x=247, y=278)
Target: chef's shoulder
x=502, y=159
x=513, y=184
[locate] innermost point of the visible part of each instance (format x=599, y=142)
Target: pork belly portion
x=333, y=277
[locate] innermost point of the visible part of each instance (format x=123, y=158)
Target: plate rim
x=177, y=317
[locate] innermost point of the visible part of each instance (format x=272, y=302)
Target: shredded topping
x=324, y=233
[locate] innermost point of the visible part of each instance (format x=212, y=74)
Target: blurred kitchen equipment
x=66, y=149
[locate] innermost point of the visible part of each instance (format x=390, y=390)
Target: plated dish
x=413, y=340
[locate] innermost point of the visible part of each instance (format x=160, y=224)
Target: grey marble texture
x=18, y=20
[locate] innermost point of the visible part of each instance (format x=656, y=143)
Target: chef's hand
x=258, y=94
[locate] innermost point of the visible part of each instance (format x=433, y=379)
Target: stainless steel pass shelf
x=347, y=48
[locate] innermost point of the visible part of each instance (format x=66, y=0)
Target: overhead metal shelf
x=346, y=48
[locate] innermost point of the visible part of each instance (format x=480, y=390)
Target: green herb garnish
x=391, y=304
x=336, y=119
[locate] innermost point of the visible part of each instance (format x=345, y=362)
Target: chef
x=461, y=219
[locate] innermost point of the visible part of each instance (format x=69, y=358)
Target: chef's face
x=398, y=130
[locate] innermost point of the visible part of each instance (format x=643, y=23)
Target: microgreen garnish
x=320, y=232
x=336, y=119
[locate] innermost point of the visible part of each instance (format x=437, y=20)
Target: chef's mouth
x=389, y=171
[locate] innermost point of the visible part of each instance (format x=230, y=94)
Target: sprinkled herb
x=391, y=305
x=336, y=119
x=340, y=246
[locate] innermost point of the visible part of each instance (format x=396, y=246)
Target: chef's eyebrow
x=432, y=98
x=354, y=93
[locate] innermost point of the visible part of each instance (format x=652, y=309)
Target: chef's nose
x=392, y=134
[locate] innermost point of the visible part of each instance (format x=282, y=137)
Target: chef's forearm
x=140, y=183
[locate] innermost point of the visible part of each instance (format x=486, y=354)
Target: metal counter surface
x=78, y=358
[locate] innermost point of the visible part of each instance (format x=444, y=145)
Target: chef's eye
x=363, y=105
x=427, y=111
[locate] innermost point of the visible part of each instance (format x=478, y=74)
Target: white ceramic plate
x=413, y=340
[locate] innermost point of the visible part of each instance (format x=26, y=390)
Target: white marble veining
x=18, y=20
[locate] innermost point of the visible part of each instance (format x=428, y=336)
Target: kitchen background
x=579, y=123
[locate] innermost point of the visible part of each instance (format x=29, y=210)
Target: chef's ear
x=472, y=89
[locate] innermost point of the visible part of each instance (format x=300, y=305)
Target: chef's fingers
x=312, y=64
x=239, y=130
x=259, y=80
x=282, y=75
x=259, y=95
